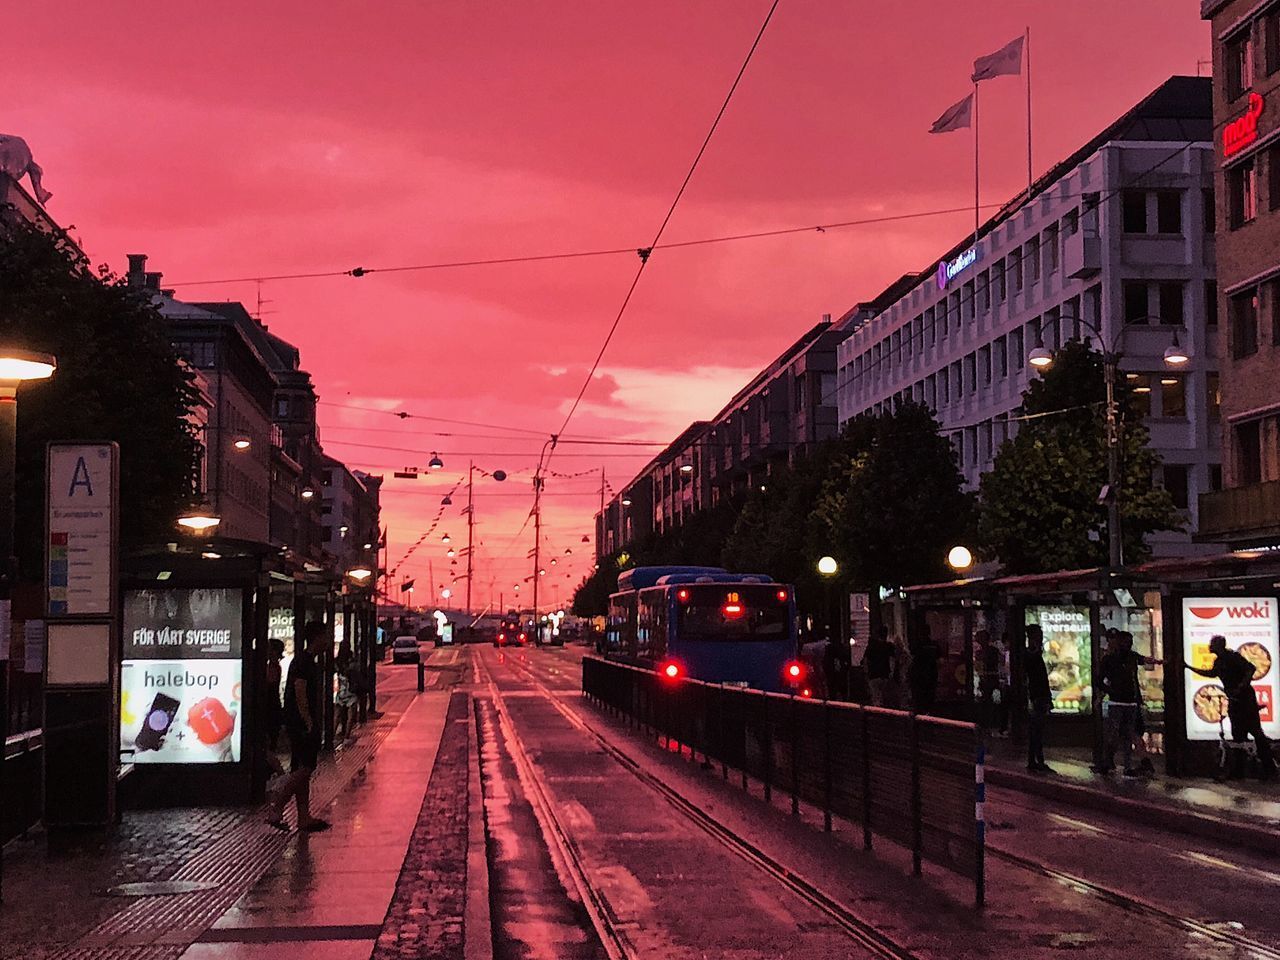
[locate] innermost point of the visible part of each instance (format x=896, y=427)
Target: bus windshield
x=732, y=612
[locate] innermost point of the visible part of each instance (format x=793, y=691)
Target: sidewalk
x=246, y=889
x=1243, y=812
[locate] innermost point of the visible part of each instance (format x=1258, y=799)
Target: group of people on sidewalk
x=1123, y=727
x=1122, y=708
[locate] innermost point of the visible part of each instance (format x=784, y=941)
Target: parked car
x=405, y=650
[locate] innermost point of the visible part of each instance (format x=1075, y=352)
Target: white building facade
x=1120, y=236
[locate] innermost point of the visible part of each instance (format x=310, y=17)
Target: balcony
x=1241, y=513
x=1081, y=254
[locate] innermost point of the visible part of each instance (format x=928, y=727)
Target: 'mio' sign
x=1243, y=130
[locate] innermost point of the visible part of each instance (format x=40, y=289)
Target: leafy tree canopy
x=117, y=379
x=1039, y=508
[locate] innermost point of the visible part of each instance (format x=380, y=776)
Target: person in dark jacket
x=1122, y=711
x=1039, y=696
x=1236, y=674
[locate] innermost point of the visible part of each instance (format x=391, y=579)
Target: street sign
x=81, y=548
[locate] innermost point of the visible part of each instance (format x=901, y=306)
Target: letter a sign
x=81, y=524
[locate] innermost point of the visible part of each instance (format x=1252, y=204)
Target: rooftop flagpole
x=1027, y=49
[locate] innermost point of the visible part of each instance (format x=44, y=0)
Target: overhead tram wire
x=613, y=251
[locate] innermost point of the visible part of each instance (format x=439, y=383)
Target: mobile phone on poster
x=156, y=723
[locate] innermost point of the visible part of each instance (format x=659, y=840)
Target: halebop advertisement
x=180, y=676
x=1252, y=629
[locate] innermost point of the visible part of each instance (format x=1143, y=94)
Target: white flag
x=956, y=117
x=1007, y=61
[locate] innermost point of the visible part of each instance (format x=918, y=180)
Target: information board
x=1249, y=625
x=180, y=696
x=80, y=551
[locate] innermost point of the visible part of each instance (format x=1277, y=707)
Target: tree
x=117, y=379
x=893, y=502
x=1039, y=508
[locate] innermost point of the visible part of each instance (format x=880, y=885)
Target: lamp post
x=15, y=367
x=1175, y=355
x=499, y=476
x=960, y=558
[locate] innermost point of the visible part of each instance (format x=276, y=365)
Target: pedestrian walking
x=1039, y=697
x=273, y=713
x=1122, y=705
x=344, y=697
x=922, y=674
x=880, y=662
x=302, y=718
x=1236, y=675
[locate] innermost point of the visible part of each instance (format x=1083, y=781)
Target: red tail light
x=806, y=692
x=522, y=638
x=782, y=595
x=682, y=595
x=733, y=609
x=794, y=671
x=501, y=637
x=671, y=670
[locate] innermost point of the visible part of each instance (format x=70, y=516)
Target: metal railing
x=911, y=779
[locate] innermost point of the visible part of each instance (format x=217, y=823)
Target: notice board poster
x=180, y=697
x=1251, y=628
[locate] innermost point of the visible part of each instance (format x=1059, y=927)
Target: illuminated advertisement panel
x=180, y=699
x=1068, y=656
x=1249, y=625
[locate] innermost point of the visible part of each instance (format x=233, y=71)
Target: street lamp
x=199, y=518
x=360, y=574
x=959, y=558
x=308, y=493
x=827, y=566
x=435, y=463
x=1042, y=358
x=242, y=444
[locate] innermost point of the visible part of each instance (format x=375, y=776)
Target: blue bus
x=708, y=624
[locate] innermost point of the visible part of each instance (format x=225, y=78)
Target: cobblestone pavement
x=56, y=905
x=425, y=917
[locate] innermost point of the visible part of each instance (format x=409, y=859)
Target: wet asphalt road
x=670, y=890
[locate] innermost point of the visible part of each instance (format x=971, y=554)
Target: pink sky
x=242, y=139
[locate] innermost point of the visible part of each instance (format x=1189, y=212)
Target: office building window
x=1210, y=211
x=1273, y=178
x=1173, y=395
x=1140, y=393
x=1169, y=211
x=1213, y=397
x=944, y=387
x=971, y=441
x=1273, y=304
x=1244, y=324
x=956, y=309
x=1172, y=297
x=1016, y=348
x=957, y=440
x=1002, y=358
x=1175, y=482
x=1271, y=39
x=908, y=341
x=1215, y=477
x=984, y=292
x=1237, y=57
x=1242, y=193
x=1134, y=211
x=1032, y=255
x=984, y=365
x=997, y=279
x=957, y=384
x=1137, y=301
x=1211, y=304
x=971, y=372
x=1015, y=263
x=1051, y=249
x=1248, y=446
x=925, y=333
x=984, y=432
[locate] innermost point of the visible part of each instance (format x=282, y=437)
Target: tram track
x=860, y=931
x=1257, y=950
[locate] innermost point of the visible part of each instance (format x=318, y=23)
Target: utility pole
x=537, y=542
x=471, y=527
x=600, y=538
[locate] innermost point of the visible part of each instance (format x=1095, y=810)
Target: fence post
x=768, y=750
x=866, y=779
x=980, y=825
x=917, y=811
x=721, y=740
x=795, y=749
x=826, y=766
